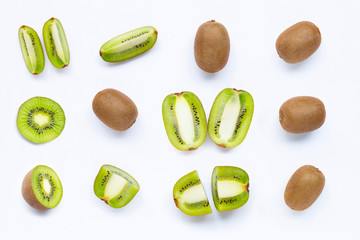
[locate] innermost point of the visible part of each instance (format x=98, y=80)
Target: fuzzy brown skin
x=115, y=109
x=298, y=42
x=302, y=114
x=28, y=193
x=212, y=46
x=304, y=187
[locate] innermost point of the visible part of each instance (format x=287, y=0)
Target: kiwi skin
x=302, y=114
x=115, y=109
x=212, y=46
x=304, y=187
x=28, y=193
x=298, y=42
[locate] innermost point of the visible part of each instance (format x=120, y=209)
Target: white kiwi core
x=228, y=188
x=46, y=186
x=114, y=186
x=185, y=120
x=229, y=117
x=41, y=119
x=194, y=194
x=57, y=42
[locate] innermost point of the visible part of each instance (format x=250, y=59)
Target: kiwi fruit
x=230, y=187
x=304, y=187
x=190, y=196
x=298, y=42
x=302, y=114
x=185, y=121
x=212, y=46
x=230, y=117
x=56, y=44
x=115, y=186
x=31, y=49
x=115, y=109
x=129, y=45
x=40, y=119
x=41, y=188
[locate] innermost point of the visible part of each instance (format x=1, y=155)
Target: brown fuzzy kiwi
x=304, y=187
x=298, y=42
x=212, y=46
x=302, y=114
x=115, y=109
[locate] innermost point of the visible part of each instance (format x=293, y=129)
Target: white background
x=268, y=154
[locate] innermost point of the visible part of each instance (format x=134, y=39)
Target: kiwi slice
x=230, y=187
x=114, y=186
x=190, y=197
x=184, y=120
x=42, y=188
x=40, y=119
x=230, y=117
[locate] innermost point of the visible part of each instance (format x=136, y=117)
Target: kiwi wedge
x=184, y=120
x=230, y=117
x=40, y=119
x=190, y=196
x=230, y=187
x=41, y=188
x=114, y=186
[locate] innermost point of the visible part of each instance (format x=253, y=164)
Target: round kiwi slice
x=42, y=188
x=40, y=119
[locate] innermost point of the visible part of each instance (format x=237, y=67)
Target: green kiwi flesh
x=129, y=45
x=185, y=121
x=56, y=44
x=40, y=119
x=114, y=186
x=230, y=187
x=31, y=49
x=42, y=188
x=230, y=117
x=189, y=195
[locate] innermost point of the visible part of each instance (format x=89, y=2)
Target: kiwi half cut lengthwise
x=230, y=117
x=129, y=45
x=31, y=49
x=184, y=120
x=190, y=196
x=115, y=187
x=56, y=44
x=40, y=119
x=230, y=187
x=41, y=188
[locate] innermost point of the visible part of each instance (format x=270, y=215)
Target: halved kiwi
x=114, y=186
x=190, y=196
x=230, y=187
x=40, y=119
x=184, y=120
x=230, y=117
x=41, y=188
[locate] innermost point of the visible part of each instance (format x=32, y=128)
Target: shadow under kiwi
x=197, y=219
x=296, y=137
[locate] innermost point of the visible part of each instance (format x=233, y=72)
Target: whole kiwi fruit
x=302, y=114
x=212, y=46
x=115, y=109
x=304, y=187
x=298, y=42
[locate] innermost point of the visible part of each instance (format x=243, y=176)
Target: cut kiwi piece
x=40, y=119
x=189, y=195
x=114, y=186
x=184, y=120
x=230, y=187
x=42, y=188
x=230, y=117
